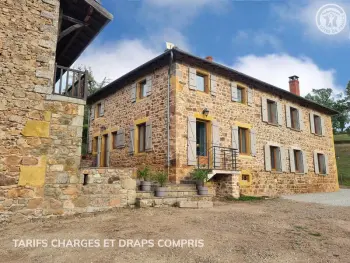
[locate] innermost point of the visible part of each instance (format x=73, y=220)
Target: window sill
x=318, y=135
x=245, y=156
x=244, y=183
x=276, y=172
x=273, y=124
x=202, y=92
x=140, y=154
x=293, y=129
x=323, y=174
x=138, y=100
x=299, y=173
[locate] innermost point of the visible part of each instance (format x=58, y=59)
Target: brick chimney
x=294, y=85
x=209, y=58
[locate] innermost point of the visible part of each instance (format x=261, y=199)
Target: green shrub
x=144, y=173
x=161, y=178
x=200, y=174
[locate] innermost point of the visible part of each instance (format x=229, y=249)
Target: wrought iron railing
x=218, y=158
x=70, y=82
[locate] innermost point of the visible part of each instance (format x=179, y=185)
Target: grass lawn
x=343, y=162
x=342, y=137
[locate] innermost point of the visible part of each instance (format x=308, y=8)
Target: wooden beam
x=73, y=20
x=69, y=30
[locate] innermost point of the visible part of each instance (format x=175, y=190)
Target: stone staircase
x=179, y=195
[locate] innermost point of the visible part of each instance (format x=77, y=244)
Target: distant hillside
x=342, y=151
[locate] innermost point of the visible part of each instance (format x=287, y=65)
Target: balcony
x=70, y=82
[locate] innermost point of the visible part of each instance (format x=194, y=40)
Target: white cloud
x=257, y=38
x=277, y=68
x=304, y=14
x=114, y=59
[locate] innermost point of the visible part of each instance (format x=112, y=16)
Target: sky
x=268, y=40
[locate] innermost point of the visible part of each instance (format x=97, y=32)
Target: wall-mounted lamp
x=205, y=112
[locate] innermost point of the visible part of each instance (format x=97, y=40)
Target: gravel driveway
x=340, y=198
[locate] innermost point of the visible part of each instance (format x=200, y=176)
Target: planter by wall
x=146, y=186
x=161, y=191
x=202, y=190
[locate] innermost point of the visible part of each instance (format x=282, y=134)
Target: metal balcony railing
x=70, y=82
x=218, y=158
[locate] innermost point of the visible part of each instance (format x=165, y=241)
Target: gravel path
x=340, y=198
x=266, y=231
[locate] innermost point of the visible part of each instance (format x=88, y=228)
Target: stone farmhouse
x=178, y=112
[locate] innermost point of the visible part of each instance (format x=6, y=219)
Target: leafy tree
x=338, y=102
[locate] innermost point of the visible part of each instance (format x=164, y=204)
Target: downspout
x=168, y=111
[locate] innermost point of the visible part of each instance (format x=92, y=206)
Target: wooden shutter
x=99, y=140
x=120, y=138
x=213, y=84
x=264, y=109
x=288, y=117
x=317, y=170
x=108, y=149
x=312, y=123
x=132, y=140
x=250, y=96
x=90, y=145
x=323, y=128
x=192, y=78
x=283, y=159
x=102, y=112
x=301, y=119
x=149, y=85
x=267, y=158
x=253, y=142
x=191, y=141
x=148, y=136
x=326, y=163
x=291, y=160
x=305, y=165
x=234, y=95
x=92, y=113
x=280, y=113
x=216, y=142
x=235, y=138
x=133, y=92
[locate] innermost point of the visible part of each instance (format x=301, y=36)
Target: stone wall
x=226, y=112
x=227, y=185
x=120, y=113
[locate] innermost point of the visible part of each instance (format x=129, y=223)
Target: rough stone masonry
x=41, y=133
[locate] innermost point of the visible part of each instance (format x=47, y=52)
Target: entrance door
x=105, y=151
x=202, y=141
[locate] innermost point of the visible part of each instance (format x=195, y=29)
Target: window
x=94, y=144
x=275, y=158
x=201, y=138
x=272, y=112
x=294, y=117
x=142, y=89
x=241, y=97
x=321, y=163
x=99, y=109
x=141, y=137
x=298, y=161
x=243, y=135
x=318, y=125
x=245, y=177
x=202, y=82
x=114, y=138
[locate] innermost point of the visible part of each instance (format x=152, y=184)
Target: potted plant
x=201, y=176
x=145, y=175
x=161, y=178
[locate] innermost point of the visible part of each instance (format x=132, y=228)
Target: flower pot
x=161, y=191
x=203, y=190
x=199, y=183
x=146, y=186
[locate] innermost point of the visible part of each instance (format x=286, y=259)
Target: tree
x=338, y=102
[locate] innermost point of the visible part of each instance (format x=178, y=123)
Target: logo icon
x=331, y=19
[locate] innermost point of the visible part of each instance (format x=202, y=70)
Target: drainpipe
x=168, y=111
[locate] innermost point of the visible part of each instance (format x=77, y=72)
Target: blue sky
x=269, y=40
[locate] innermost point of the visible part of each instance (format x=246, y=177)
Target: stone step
x=184, y=187
x=169, y=193
x=195, y=204
x=171, y=201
